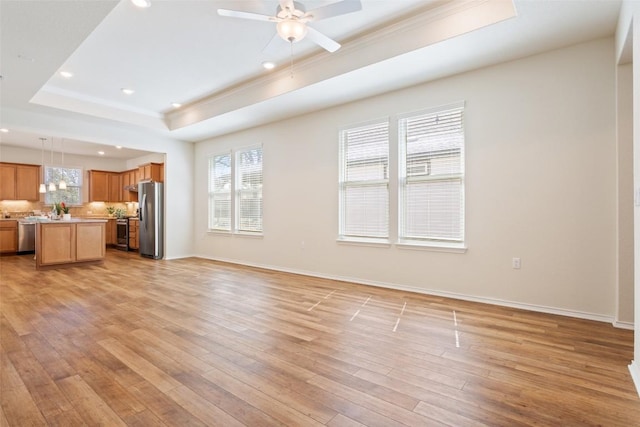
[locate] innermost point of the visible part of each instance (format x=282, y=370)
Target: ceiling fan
x=291, y=20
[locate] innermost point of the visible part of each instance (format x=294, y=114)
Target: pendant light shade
x=43, y=188
x=62, y=185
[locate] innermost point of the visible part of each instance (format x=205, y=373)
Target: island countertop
x=61, y=243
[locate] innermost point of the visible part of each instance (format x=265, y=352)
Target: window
x=220, y=192
x=431, y=181
x=249, y=190
x=364, y=181
x=72, y=195
x=235, y=191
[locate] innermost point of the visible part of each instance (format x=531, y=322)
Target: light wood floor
x=193, y=342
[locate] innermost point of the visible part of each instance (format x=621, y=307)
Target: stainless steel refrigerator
x=151, y=215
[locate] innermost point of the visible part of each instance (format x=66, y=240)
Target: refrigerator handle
x=144, y=205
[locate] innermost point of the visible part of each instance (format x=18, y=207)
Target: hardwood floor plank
x=16, y=401
x=201, y=408
x=92, y=409
x=193, y=342
x=268, y=404
x=141, y=366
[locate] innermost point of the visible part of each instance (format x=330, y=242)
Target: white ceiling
x=182, y=51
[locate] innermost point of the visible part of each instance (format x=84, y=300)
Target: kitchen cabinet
x=151, y=172
x=60, y=243
x=19, y=182
x=8, y=236
x=105, y=186
x=115, y=188
x=90, y=241
x=111, y=232
x=98, y=186
x=129, y=180
x=134, y=236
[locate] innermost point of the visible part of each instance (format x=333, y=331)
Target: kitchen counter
x=67, y=243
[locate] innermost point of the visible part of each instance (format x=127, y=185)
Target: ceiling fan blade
x=323, y=41
x=245, y=15
x=334, y=9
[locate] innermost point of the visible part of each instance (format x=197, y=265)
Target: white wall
x=628, y=37
x=540, y=185
x=625, y=252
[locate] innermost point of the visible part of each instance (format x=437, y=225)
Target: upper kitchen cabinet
x=99, y=186
x=115, y=188
x=105, y=186
x=19, y=182
x=129, y=185
x=151, y=172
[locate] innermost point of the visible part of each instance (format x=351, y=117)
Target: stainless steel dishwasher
x=26, y=237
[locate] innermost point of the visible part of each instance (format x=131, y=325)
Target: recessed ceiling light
x=141, y=3
x=119, y=147
x=66, y=74
x=176, y=105
x=101, y=153
x=268, y=65
x=4, y=130
x=127, y=91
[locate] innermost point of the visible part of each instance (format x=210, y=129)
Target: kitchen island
x=68, y=243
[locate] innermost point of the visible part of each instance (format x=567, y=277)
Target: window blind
x=249, y=190
x=364, y=181
x=432, y=176
x=220, y=192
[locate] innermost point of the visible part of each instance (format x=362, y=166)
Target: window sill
x=237, y=233
x=364, y=242
x=458, y=248
x=248, y=234
x=221, y=232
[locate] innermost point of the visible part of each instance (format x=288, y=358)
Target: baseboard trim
x=624, y=325
x=634, y=368
x=445, y=294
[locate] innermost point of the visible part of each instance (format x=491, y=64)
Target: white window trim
x=231, y=190
x=81, y=186
x=236, y=192
x=343, y=185
x=429, y=244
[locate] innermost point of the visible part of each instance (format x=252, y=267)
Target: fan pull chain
x=291, y=63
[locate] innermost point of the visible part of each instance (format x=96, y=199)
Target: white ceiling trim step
x=430, y=27
x=70, y=101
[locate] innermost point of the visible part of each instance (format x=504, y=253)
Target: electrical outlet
x=515, y=263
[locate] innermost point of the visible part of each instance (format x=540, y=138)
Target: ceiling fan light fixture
x=291, y=30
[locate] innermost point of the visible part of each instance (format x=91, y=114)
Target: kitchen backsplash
x=20, y=208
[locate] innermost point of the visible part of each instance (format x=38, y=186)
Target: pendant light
x=62, y=185
x=52, y=186
x=43, y=188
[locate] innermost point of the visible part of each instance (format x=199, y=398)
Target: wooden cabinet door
x=133, y=234
x=8, y=237
x=111, y=232
x=59, y=245
x=98, y=186
x=115, y=187
x=90, y=241
x=27, y=183
x=7, y=182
